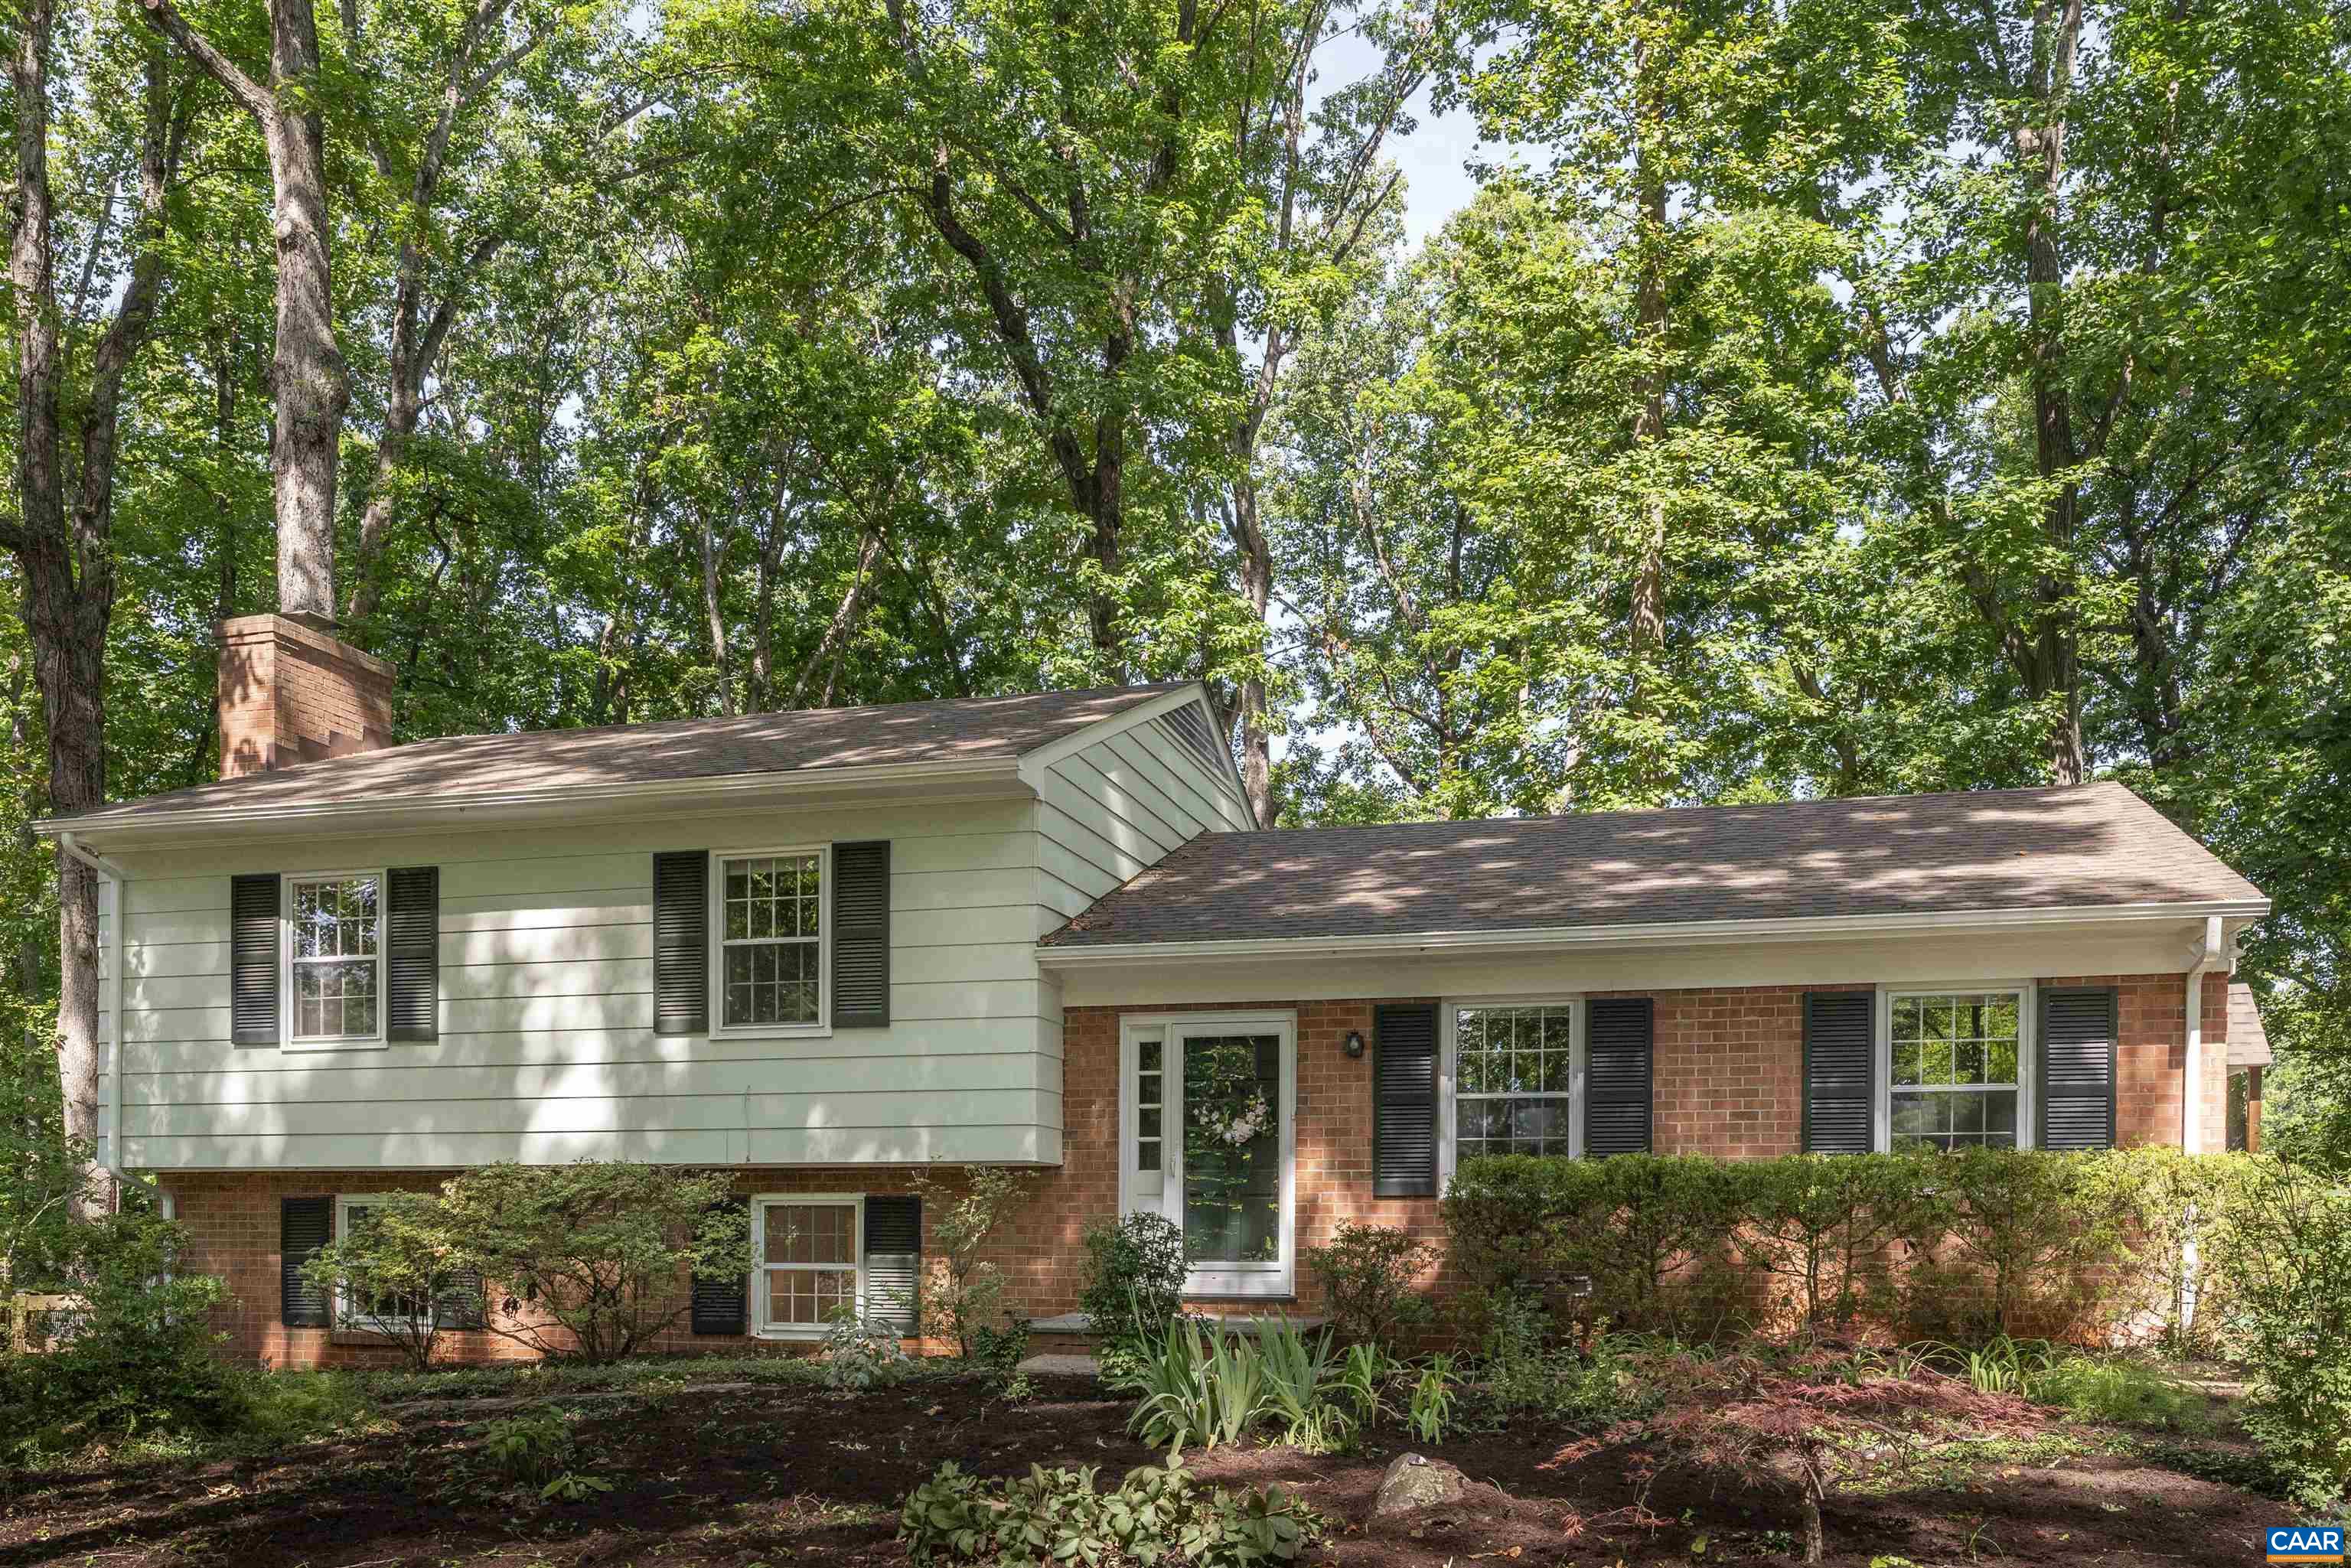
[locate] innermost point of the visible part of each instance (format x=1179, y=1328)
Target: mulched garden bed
x=757, y=1476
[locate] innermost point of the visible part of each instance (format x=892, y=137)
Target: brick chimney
x=290, y=693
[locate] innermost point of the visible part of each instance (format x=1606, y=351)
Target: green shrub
x=389, y=1274
x=2036, y=1225
x=2122, y=1391
x=2175, y=1211
x=1134, y=1287
x=283, y=1407
x=1522, y=1369
x=531, y=1445
x=139, y=1362
x=2287, y=1254
x=1367, y=1273
x=998, y=1351
x=860, y=1353
x=1633, y=1225
x=1512, y=1219
x=967, y=1293
x=1823, y=1223
x=592, y=1257
x=1057, y=1516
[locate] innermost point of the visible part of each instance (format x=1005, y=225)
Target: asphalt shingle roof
x=2090, y=844
x=488, y=766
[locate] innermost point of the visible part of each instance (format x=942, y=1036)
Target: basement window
x=808, y=1250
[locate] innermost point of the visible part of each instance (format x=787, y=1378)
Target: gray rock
x=1413, y=1481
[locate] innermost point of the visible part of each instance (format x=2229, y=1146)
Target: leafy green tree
x=592, y=1258
x=390, y=1275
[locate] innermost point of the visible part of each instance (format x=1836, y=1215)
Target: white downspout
x=118, y=879
x=2204, y=958
x=2207, y=956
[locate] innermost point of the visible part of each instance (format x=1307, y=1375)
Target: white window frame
x=1161, y=1191
x=2027, y=1050
x=290, y=1004
x=756, y=1296
x=822, y=1027
x=1449, y=1072
x=344, y=1319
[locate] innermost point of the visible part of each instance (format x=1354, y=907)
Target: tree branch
x=250, y=95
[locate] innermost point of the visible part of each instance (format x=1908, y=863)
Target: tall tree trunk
x=1257, y=592
x=309, y=381
x=760, y=682
x=62, y=535
x=2055, y=673
x=1645, y=628
x=712, y=547
x=844, y=621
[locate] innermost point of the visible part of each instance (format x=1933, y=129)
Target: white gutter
x=1686, y=932
x=490, y=804
x=118, y=878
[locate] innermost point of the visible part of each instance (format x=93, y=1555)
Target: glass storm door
x=1210, y=1146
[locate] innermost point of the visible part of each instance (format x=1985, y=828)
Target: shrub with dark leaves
x=1823, y=1424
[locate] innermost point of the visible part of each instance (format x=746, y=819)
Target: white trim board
x=1644, y=934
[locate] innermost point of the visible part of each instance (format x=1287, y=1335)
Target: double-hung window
x=808, y=1269
x=768, y=965
x=1514, y=1078
x=1955, y=1068
x=334, y=958
x=383, y=1311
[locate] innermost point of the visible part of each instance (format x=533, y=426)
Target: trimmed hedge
x=2086, y=1246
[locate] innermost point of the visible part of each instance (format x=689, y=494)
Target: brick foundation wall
x=1728, y=1083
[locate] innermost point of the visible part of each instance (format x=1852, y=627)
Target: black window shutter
x=682, y=943
x=1840, y=1071
x=1404, y=1101
x=412, y=952
x=253, y=905
x=861, y=934
x=2077, y=1068
x=894, y=1262
x=720, y=1305
x=1619, y=1034
x=304, y=1225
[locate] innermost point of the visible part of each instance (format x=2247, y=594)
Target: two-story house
x=826, y=949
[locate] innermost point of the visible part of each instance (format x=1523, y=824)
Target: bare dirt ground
x=756, y=1477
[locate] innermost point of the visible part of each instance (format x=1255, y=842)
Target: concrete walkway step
x=1078, y=1323
x=1053, y=1364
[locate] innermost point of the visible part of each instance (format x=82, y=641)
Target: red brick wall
x=1729, y=1072
x=1729, y=1081
x=289, y=693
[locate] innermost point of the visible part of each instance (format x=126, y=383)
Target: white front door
x=1208, y=1129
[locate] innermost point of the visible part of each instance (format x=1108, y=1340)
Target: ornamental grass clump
x=1197, y=1388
